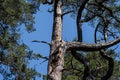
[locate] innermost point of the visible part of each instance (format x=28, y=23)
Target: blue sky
x=43, y=25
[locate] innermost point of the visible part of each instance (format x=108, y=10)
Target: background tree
x=14, y=55
x=98, y=65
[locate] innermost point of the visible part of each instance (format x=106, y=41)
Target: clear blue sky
x=43, y=25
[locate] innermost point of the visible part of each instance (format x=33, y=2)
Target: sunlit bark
x=57, y=50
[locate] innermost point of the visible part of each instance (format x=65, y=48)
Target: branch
x=111, y=13
x=112, y=34
x=75, y=54
x=42, y=42
x=108, y=9
x=78, y=22
x=88, y=19
x=43, y=61
x=67, y=12
x=102, y=53
x=90, y=47
x=95, y=33
x=82, y=60
x=110, y=65
x=47, y=2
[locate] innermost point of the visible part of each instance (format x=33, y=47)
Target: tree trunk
x=56, y=58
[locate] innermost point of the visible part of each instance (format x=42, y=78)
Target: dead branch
x=90, y=47
x=42, y=42
x=65, y=13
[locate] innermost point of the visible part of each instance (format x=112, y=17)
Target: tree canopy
x=14, y=54
x=74, y=69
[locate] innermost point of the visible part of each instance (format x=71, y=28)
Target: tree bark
x=57, y=48
x=90, y=47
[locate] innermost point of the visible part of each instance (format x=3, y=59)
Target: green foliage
x=16, y=59
x=74, y=69
x=14, y=55
x=16, y=12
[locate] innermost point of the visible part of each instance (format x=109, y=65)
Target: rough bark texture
x=90, y=47
x=56, y=58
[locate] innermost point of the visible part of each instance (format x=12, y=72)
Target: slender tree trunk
x=56, y=58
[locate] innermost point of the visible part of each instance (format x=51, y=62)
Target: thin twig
x=42, y=42
x=43, y=61
x=67, y=12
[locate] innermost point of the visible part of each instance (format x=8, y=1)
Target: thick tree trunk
x=56, y=58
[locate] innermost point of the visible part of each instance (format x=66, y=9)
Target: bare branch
x=95, y=33
x=42, y=42
x=82, y=60
x=78, y=22
x=43, y=61
x=90, y=47
x=65, y=13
